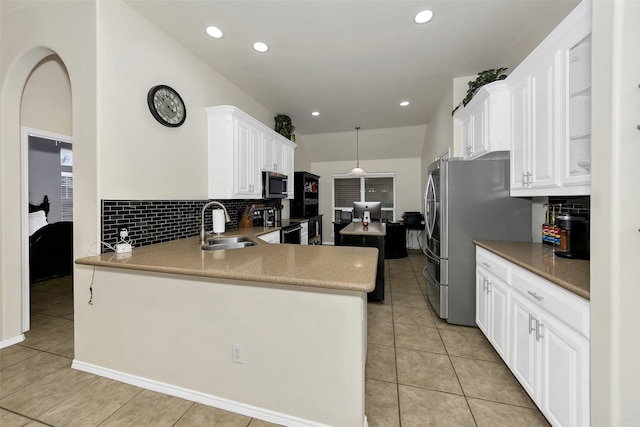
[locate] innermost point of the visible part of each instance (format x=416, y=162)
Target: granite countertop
x=570, y=274
x=373, y=229
x=329, y=267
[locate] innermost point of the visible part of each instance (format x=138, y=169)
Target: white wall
x=301, y=159
x=408, y=184
x=615, y=214
x=388, y=143
x=32, y=31
x=140, y=158
x=46, y=101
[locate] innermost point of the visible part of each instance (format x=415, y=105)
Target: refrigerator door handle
x=427, y=274
x=430, y=211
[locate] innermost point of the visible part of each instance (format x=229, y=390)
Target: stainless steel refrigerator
x=466, y=200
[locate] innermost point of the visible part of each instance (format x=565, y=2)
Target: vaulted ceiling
x=354, y=61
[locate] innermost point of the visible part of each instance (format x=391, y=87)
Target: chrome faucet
x=203, y=233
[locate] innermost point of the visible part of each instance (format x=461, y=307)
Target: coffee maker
x=574, y=236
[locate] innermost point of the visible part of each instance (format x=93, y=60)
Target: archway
x=15, y=319
x=45, y=115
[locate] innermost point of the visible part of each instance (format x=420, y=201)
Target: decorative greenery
x=284, y=126
x=484, y=77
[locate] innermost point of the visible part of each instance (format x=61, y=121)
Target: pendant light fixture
x=357, y=171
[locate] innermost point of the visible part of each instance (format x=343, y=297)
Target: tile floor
x=420, y=371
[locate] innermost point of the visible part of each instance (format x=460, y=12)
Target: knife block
x=245, y=222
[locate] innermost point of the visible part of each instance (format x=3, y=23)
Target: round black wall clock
x=166, y=106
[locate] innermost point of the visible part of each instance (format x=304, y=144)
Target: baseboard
x=199, y=397
x=12, y=341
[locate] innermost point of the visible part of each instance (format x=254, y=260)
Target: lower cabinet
x=551, y=361
x=271, y=237
x=492, y=314
x=541, y=332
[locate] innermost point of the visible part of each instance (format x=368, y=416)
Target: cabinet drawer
x=493, y=263
x=569, y=308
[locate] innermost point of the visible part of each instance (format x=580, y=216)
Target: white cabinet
x=273, y=156
x=492, y=312
x=534, y=150
x=577, y=133
x=304, y=233
x=549, y=357
x=246, y=156
x=239, y=148
x=271, y=237
x=550, y=114
x=484, y=121
x=542, y=333
x=492, y=300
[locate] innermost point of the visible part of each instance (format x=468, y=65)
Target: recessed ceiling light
x=423, y=17
x=315, y=113
x=260, y=47
x=404, y=104
x=214, y=32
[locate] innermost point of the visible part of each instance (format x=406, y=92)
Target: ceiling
x=354, y=61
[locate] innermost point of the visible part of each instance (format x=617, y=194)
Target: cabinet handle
x=524, y=179
x=488, y=285
x=539, y=327
x=486, y=264
x=536, y=296
x=531, y=321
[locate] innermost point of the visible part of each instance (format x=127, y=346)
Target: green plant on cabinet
x=484, y=77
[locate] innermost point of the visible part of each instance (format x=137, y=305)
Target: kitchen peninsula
x=273, y=331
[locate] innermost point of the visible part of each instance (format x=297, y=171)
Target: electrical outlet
x=236, y=353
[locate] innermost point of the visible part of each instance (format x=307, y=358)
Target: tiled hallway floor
x=421, y=371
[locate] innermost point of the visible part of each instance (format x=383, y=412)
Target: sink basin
x=230, y=239
x=227, y=242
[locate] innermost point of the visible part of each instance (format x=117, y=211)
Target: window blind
x=66, y=196
x=374, y=187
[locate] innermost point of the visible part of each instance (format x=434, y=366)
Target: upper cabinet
x=484, y=122
x=240, y=148
x=550, y=99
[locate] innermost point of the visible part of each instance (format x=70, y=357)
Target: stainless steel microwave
x=274, y=185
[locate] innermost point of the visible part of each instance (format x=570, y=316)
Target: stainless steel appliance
x=274, y=185
x=264, y=217
x=291, y=233
x=466, y=200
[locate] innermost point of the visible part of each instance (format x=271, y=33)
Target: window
x=66, y=196
x=373, y=187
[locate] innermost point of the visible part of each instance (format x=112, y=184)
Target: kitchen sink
x=227, y=242
x=230, y=239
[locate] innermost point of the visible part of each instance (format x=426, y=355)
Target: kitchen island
x=373, y=235
x=276, y=332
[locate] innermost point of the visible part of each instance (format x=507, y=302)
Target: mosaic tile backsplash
x=155, y=221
